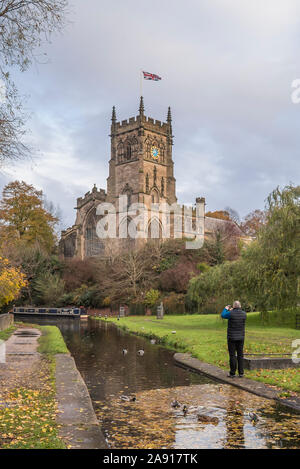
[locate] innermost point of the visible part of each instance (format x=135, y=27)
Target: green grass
x=204, y=336
x=51, y=341
x=4, y=335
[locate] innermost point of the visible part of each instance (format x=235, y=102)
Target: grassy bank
x=204, y=336
x=28, y=421
x=51, y=341
x=4, y=335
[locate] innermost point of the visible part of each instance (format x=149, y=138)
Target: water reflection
x=97, y=348
x=151, y=422
x=234, y=423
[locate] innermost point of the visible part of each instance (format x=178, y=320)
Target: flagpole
x=141, y=83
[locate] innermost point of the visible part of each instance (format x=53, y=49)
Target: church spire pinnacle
x=141, y=108
x=169, y=117
x=113, y=115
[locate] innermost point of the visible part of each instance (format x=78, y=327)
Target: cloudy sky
x=226, y=67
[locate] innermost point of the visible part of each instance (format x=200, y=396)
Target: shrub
x=88, y=297
x=49, y=288
x=177, y=278
x=174, y=303
x=79, y=272
x=152, y=298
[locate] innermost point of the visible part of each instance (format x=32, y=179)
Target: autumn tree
x=127, y=277
x=24, y=220
x=12, y=280
x=253, y=222
x=220, y=214
x=34, y=261
x=227, y=214
x=24, y=26
x=177, y=278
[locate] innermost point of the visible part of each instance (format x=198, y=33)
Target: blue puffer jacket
x=236, y=323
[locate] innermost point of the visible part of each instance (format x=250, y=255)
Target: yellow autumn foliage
x=12, y=280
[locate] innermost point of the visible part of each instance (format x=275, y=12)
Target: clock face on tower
x=155, y=153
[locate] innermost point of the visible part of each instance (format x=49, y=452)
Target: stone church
x=141, y=168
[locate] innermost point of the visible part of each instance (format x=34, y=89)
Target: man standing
x=235, y=336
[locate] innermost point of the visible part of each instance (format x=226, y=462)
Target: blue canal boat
x=69, y=312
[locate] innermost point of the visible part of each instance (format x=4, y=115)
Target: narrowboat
x=60, y=312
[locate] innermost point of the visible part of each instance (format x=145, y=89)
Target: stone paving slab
x=79, y=425
x=20, y=358
x=255, y=387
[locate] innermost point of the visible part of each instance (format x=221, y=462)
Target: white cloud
x=227, y=68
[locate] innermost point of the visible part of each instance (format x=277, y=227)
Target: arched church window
x=147, y=183
x=134, y=147
x=154, y=196
x=93, y=244
x=154, y=229
x=148, y=146
x=128, y=151
x=120, y=152
x=162, y=186
x=125, y=235
x=69, y=245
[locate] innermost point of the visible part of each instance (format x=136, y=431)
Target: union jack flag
x=151, y=76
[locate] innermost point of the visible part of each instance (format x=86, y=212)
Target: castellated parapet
x=147, y=122
x=92, y=195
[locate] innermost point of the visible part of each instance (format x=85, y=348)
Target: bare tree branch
x=24, y=26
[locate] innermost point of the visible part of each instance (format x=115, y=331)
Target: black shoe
x=241, y=376
x=230, y=376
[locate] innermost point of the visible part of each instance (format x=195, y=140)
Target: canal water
x=132, y=396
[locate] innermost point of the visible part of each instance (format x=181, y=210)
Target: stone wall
x=6, y=320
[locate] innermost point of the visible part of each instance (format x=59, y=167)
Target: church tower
x=141, y=164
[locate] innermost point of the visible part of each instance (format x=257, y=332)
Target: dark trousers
x=236, y=355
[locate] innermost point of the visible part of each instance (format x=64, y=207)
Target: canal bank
x=44, y=402
x=259, y=389
x=79, y=426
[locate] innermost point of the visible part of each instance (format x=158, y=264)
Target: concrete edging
x=6, y=320
x=79, y=425
x=255, y=387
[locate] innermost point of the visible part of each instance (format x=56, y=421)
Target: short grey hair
x=236, y=304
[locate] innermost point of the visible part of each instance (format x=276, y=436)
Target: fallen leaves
x=150, y=422
x=28, y=410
